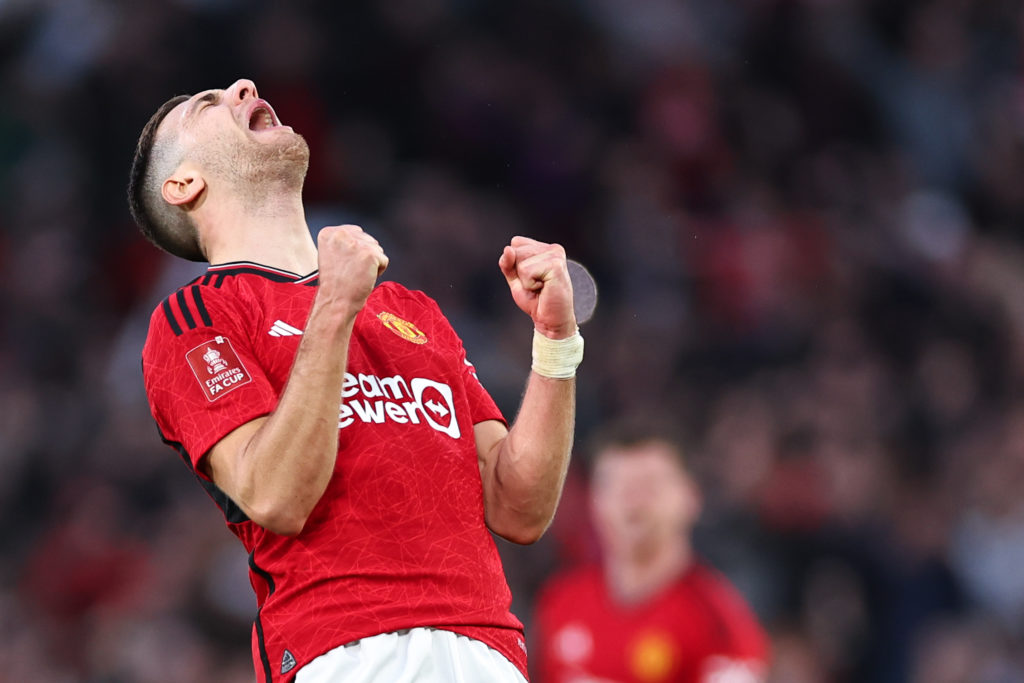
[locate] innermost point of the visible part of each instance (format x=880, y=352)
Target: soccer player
x=336, y=422
x=654, y=612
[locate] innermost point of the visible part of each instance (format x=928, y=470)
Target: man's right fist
x=350, y=262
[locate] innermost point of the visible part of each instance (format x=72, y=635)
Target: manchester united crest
x=403, y=328
x=652, y=657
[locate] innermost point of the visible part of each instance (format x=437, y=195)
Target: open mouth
x=262, y=117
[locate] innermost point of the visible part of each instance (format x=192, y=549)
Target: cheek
x=680, y=510
x=601, y=512
x=609, y=514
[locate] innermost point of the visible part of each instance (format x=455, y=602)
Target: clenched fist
x=538, y=278
x=350, y=262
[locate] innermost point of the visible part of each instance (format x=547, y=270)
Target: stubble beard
x=258, y=172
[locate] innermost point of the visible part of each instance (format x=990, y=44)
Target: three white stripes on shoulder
x=283, y=329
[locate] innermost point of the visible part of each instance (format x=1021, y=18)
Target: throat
x=634, y=578
x=272, y=234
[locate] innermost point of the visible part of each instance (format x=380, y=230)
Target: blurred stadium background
x=804, y=217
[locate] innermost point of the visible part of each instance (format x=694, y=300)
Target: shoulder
x=570, y=584
x=565, y=596
x=393, y=301
x=738, y=625
x=190, y=307
x=392, y=291
x=713, y=585
x=197, y=309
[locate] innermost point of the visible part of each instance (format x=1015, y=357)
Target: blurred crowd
x=803, y=217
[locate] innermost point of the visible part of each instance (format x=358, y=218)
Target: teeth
x=261, y=119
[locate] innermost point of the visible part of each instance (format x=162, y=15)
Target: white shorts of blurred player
x=418, y=655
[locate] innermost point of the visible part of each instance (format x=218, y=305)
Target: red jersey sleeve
x=202, y=373
x=481, y=404
x=741, y=652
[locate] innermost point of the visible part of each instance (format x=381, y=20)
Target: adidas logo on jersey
x=282, y=329
x=288, y=660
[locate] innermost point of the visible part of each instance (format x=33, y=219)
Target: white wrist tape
x=557, y=358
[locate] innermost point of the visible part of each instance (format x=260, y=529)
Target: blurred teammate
x=653, y=613
x=337, y=424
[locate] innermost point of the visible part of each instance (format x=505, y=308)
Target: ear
x=183, y=187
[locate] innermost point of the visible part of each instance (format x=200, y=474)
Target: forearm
x=284, y=466
x=530, y=463
x=276, y=468
x=524, y=468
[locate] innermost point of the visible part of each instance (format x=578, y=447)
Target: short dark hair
x=143, y=198
x=630, y=432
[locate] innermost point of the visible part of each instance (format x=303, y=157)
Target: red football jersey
x=696, y=630
x=398, y=539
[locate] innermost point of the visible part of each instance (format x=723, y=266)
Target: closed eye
x=207, y=98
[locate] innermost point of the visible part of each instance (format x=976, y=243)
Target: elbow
x=524, y=536
x=281, y=510
x=280, y=518
x=285, y=526
x=520, y=532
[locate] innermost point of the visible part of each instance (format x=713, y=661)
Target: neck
x=270, y=229
x=636, y=574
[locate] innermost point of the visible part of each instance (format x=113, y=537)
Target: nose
x=242, y=90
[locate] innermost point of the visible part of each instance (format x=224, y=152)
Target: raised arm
x=523, y=468
x=277, y=467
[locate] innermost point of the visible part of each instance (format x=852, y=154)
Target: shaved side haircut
x=166, y=226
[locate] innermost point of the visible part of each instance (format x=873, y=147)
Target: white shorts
x=418, y=655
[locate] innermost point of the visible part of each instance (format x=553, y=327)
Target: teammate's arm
x=277, y=467
x=523, y=468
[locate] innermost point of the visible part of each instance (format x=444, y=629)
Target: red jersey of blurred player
x=653, y=613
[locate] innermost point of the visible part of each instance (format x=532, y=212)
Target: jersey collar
x=252, y=268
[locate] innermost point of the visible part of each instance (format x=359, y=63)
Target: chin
x=251, y=167
x=293, y=148
x=287, y=159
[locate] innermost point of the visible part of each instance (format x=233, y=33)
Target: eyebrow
x=211, y=96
